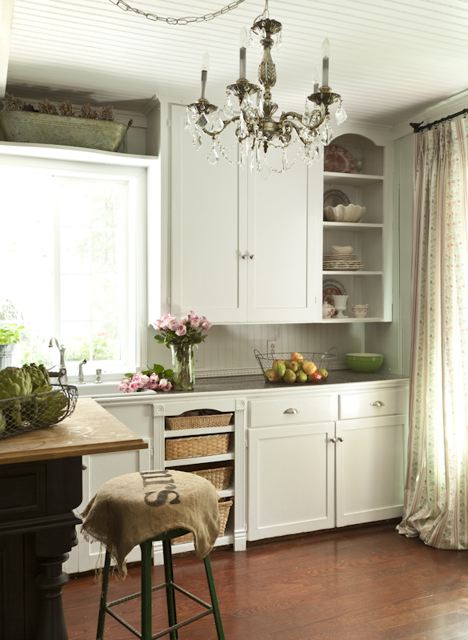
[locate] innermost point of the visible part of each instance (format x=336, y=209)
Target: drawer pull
x=333, y=440
x=377, y=403
x=291, y=411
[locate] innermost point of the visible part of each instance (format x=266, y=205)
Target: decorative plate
x=333, y=197
x=332, y=288
x=339, y=160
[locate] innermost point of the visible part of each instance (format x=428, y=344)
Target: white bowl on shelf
x=344, y=213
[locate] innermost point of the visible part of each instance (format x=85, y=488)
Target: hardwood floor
x=361, y=584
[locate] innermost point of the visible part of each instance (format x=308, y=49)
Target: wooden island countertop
x=90, y=429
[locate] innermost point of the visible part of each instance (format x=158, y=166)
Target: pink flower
x=195, y=321
x=133, y=386
x=123, y=386
x=206, y=325
x=181, y=329
x=173, y=324
x=165, y=385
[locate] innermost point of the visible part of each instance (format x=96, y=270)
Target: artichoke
x=14, y=382
x=50, y=408
x=39, y=377
x=3, y=422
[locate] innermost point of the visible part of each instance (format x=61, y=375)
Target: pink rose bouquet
x=155, y=379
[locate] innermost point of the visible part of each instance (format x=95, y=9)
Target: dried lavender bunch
x=66, y=108
x=48, y=107
x=106, y=113
x=88, y=112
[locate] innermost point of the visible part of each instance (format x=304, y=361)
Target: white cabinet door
x=208, y=230
x=291, y=487
x=100, y=468
x=370, y=470
x=285, y=245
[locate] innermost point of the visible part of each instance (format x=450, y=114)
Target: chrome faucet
x=62, y=372
x=80, y=370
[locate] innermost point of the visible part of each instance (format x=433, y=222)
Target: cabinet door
x=100, y=468
x=285, y=245
x=291, y=486
x=208, y=230
x=370, y=469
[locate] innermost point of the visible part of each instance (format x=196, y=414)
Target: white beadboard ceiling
x=389, y=58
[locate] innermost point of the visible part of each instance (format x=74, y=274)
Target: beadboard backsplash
x=229, y=349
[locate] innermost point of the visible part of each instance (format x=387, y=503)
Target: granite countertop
x=254, y=382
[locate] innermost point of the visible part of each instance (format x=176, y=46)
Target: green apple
x=293, y=365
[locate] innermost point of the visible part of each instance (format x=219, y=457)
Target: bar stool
x=143, y=508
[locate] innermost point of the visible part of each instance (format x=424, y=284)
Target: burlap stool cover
x=135, y=507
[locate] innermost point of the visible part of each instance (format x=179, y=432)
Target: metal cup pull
x=377, y=403
x=291, y=411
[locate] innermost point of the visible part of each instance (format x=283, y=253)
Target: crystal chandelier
x=251, y=109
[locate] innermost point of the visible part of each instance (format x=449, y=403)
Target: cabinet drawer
x=293, y=410
x=378, y=402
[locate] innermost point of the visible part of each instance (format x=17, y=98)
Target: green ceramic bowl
x=364, y=362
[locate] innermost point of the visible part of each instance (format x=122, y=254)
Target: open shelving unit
x=368, y=237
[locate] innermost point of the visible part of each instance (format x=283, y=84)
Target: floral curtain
x=436, y=493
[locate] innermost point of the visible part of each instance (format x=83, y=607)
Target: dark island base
x=37, y=530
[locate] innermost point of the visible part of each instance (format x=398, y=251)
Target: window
x=73, y=260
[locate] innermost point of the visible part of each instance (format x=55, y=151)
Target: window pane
x=70, y=258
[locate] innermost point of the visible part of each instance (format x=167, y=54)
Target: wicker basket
x=220, y=477
x=224, y=508
x=197, y=447
x=199, y=422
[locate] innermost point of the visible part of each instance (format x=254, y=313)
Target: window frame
x=146, y=244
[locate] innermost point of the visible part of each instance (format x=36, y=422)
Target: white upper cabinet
x=246, y=247
x=207, y=272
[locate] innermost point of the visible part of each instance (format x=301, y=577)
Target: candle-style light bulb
x=315, y=77
x=243, y=42
x=204, y=72
x=325, y=61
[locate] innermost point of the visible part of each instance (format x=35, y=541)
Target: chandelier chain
x=183, y=20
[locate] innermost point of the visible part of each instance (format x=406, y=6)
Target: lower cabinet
x=370, y=469
x=309, y=469
x=290, y=479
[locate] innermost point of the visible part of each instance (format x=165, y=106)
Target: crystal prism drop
x=340, y=114
x=196, y=139
x=202, y=121
x=214, y=155
x=229, y=105
x=326, y=135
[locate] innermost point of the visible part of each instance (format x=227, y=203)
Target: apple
x=309, y=367
x=315, y=377
x=289, y=377
x=301, y=376
x=324, y=373
x=295, y=355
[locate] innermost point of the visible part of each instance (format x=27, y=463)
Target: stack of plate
x=341, y=259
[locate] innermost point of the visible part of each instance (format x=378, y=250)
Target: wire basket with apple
x=295, y=367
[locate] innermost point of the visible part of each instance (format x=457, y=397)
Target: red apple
x=315, y=377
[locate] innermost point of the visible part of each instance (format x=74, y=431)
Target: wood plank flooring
x=360, y=584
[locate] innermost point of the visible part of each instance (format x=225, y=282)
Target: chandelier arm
x=226, y=123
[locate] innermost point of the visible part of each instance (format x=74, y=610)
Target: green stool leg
x=146, y=592
x=103, y=600
x=214, y=599
x=170, y=593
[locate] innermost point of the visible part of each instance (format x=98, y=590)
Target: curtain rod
x=419, y=126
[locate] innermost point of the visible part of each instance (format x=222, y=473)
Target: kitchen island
x=40, y=485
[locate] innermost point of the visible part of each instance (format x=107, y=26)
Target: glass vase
x=183, y=364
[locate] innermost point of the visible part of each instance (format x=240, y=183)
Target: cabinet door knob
x=244, y=255
x=340, y=439
x=291, y=411
x=251, y=256
x=332, y=440
x=377, y=403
